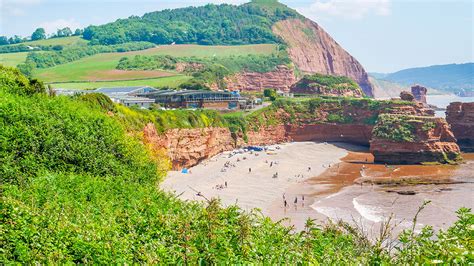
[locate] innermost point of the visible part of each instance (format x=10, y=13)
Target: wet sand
x=342, y=191
x=367, y=198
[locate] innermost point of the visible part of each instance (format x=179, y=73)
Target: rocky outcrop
x=188, y=66
x=407, y=96
x=419, y=92
x=308, y=85
x=280, y=79
x=461, y=118
x=400, y=139
x=313, y=50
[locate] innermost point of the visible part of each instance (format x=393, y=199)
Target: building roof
x=122, y=90
x=131, y=98
x=187, y=92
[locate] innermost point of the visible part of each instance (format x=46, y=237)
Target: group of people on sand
x=221, y=186
x=295, y=201
x=227, y=165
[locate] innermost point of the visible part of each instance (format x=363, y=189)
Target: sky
x=384, y=35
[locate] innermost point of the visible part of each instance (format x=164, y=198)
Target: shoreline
x=258, y=188
x=341, y=192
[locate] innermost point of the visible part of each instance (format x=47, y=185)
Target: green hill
x=208, y=25
x=450, y=78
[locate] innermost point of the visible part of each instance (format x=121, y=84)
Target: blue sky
x=384, y=35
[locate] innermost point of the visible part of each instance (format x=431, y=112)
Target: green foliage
x=141, y=62
x=12, y=81
x=98, y=100
x=329, y=82
x=38, y=34
x=206, y=25
x=58, y=134
x=428, y=126
x=194, y=84
x=270, y=93
x=450, y=247
x=394, y=128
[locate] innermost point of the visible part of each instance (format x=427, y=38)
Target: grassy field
x=101, y=67
x=73, y=40
x=13, y=59
x=172, y=81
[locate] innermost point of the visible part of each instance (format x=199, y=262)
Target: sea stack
x=403, y=139
x=461, y=118
x=419, y=92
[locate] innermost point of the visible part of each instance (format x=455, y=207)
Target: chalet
x=219, y=100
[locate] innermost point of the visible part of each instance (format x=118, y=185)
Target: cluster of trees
x=40, y=34
x=207, y=25
x=70, y=54
x=143, y=62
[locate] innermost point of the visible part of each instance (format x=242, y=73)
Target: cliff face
x=187, y=147
x=398, y=139
x=461, y=118
x=313, y=50
x=281, y=79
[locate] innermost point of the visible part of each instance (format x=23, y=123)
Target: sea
x=442, y=101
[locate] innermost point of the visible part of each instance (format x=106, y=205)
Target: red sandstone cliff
x=461, y=118
x=432, y=141
x=281, y=79
x=187, y=147
x=313, y=50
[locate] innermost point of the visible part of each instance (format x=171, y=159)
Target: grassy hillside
x=13, y=59
x=172, y=81
x=78, y=187
x=103, y=66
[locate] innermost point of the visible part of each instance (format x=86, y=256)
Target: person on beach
x=271, y=164
x=302, y=200
x=225, y=183
x=296, y=202
x=309, y=169
x=285, y=203
x=250, y=170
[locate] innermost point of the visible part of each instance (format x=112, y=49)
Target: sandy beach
x=294, y=163
x=336, y=192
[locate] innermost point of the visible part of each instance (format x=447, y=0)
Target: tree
x=38, y=34
x=78, y=32
x=270, y=93
x=3, y=40
x=15, y=39
x=65, y=32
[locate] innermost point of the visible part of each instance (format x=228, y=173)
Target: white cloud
x=16, y=7
x=53, y=26
x=350, y=9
